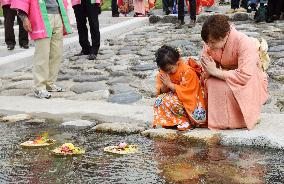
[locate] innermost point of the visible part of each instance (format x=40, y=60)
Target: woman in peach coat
x=235, y=83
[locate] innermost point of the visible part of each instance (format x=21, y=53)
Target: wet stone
x=169, y=19
x=89, y=78
x=162, y=133
x=124, y=51
x=106, y=52
x=144, y=67
x=277, y=74
x=125, y=98
x=121, y=88
x=202, y=18
x=150, y=57
x=195, y=38
x=279, y=62
x=278, y=48
x=154, y=19
x=122, y=79
x=96, y=95
x=117, y=74
x=15, y=92
x=144, y=52
x=23, y=77
x=141, y=75
x=116, y=68
x=126, y=128
x=78, y=124
x=101, y=65
x=252, y=34
x=62, y=77
x=88, y=87
x=65, y=94
x=280, y=104
x=276, y=54
x=112, y=42
x=73, y=58
x=91, y=72
x=26, y=84
x=179, y=43
x=105, y=56
x=274, y=42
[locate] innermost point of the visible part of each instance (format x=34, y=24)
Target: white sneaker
x=42, y=94
x=54, y=88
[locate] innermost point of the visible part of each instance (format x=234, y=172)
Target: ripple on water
x=157, y=161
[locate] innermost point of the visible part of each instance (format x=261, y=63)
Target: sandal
x=184, y=126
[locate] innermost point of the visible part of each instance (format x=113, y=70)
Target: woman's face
x=170, y=69
x=214, y=44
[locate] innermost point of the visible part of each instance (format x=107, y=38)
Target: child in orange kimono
x=180, y=100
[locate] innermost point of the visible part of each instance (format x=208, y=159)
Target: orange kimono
x=186, y=104
x=236, y=101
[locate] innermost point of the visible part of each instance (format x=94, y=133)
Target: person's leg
x=192, y=4
x=56, y=50
x=92, y=11
x=270, y=9
x=166, y=5
x=23, y=35
x=180, y=14
x=244, y=4
x=114, y=8
x=278, y=8
x=235, y=4
x=9, y=18
x=81, y=19
x=41, y=63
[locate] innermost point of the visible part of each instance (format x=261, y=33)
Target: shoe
x=115, y=15
x=10, y=47
x=26, y=46
x=92, y=57
x=81, y=53
x=191, y=24
x=167, y=12
x=179, y=24
x=42, y=94
x=54, y=88
x=184, y=126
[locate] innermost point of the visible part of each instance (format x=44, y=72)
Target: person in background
x=88, y=9
x=167, y=5
x=114, y=8
x=274, y=10
x=9, y=18
x=238, y=6
x=46, y=22
x=192, y=4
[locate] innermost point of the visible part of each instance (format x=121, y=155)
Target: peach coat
x=236, y=101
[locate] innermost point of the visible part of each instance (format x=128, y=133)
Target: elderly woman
x=235, y=83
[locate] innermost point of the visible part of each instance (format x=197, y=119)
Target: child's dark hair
x=166, y=55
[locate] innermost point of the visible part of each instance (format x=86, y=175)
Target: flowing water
x=157, y=161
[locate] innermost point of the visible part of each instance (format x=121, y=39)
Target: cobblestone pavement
x=105, y=20
x=124, y=71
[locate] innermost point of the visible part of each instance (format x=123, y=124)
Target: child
x=180, y=100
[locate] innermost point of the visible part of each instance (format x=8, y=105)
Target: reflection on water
x=156, y=162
